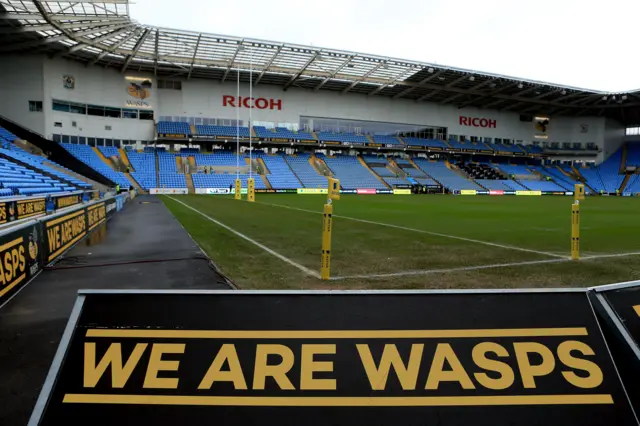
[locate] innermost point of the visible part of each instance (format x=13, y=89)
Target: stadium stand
x=36, y=162
x=223, y=180
x=19, y=180
x=219, y=158
x=633, y=186
x=222, y=131
x=88, y=156
x=386, y=140
x=174, y=128
x=281, y=133
x=352, y=174
x=144, y=166
x=342, y=137
x=633, y=154
x=500, y=185
x=281, y=175
x=305, y=172
x=606, y=176
x=439, y=171
x=428, y=143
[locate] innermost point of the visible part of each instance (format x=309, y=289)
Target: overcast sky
x=588, y=44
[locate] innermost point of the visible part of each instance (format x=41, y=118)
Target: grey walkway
x=142, y=247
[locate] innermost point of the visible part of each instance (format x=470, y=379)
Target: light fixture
x=604, y=98
x=624, y=97
x=472, y=78
x=564, y=92
x=430, y=70
x=520, y=86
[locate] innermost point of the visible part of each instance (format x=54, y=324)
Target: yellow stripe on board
x=96, y=224
x=31, y=214
x=337, y=401
x=637, y=309
x=66, y=246
x=11, y=244
x=13, y=284
x=95, y=206
x=335, y=334
x=63, y=218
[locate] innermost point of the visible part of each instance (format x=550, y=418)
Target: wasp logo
x=139, y=91
x=33, y=244
x=541, y=125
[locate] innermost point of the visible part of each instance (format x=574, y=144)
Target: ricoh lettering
x=251, y=102
x=477, y=122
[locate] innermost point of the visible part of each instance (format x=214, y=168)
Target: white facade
x=41, y=78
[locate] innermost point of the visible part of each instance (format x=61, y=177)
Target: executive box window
x=96, y=110
x=129, y=113
x=35, y=106
x=72, y=107
x=146, y=115
x=112, y=112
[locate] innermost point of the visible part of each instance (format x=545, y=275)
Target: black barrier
x=68, y=200
x=20, y=258
x=618, y=306
x=24, y=208
x=333, y=358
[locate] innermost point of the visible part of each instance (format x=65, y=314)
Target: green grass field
x=411, y=242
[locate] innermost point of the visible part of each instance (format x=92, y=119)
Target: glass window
x=82, y=140
x=77, y=108
x=74, y=139
x=100, y=141
x=129, y=113
x=112, y=112
x=92, y=141
x=146, y=115
x=96, y=110
x=177, y=85
x=57, y=138
x=65, y=138
x=35, y=106
x=116, y=142
x=60, y=105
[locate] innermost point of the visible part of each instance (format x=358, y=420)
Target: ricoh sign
x=251, y=102
x=477, y=122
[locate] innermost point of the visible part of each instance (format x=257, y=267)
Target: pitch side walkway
x=142, y=247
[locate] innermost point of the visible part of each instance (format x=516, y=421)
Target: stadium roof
x=102, y=33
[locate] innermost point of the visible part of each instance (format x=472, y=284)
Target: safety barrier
x=525, y=357
x=19, y=208
x=28, y=247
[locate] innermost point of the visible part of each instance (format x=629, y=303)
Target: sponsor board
x=62, y=232
x=365, y=191
x=67, y=201
x=286, y=191
x=348, y=191
x=568, y=193
x=265, y=190
x=20, y=259
x=384, y=191
x=30, y=207
x=7, y=212
x=468, y=192
x=362, y=358
x=528, y=192
x=214, y=191
x=96, y=215
x=401, y=192
x=375, y=145
x=173, y=191
x=496, y=192
x=242, y=191
x=312, y=191
x=331, y=142
x=619, y=307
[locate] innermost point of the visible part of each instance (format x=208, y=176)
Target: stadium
x=137, y=157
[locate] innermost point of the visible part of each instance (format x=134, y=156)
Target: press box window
x=35, y=106
x=146, y=115
x=129, y=113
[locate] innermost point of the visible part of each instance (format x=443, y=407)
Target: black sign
x=62, y=232
x=618, y=305
x=29, y=208
x=67, y=201
x=374, y=145
x=279, y=140
x=332, y=143
x=384, y=191
x=348, y=191
x=265, y=190
x=20, y=259
x=286, y=191
x=332, y=358
x=306, y=141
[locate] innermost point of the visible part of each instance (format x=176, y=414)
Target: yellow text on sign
x=63, y=232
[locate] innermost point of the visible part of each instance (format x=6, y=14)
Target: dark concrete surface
x=141, y=247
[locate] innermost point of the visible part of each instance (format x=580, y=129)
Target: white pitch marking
x=254, y=242
x=438, y=234
x=474, y=268
x=442, y=271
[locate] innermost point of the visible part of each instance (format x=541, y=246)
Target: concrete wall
x=21, y=81
x=41, y=78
